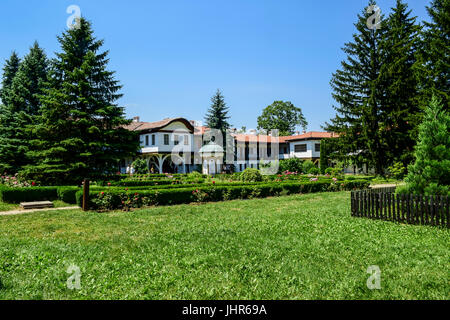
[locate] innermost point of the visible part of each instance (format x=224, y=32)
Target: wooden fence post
x=85, y=206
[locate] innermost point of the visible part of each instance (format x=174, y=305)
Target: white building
x=177, y=145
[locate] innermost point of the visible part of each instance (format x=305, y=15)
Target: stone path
x=13, y=212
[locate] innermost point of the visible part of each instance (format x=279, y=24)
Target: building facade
x=177, y=145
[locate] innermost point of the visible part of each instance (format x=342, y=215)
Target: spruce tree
x=217, y=115
x=430, y=174
x=356, y=89
x=28, y=82
x=400, y=112
x=7, y=125
x=9, y=71
x=80, y=132
x=433, y=72
x=21, y=107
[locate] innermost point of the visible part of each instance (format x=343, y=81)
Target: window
x=317, y=147
x=153, y=139
x=186, y=140
x=146, y=140
x=300, y=148
x=166, y=139
x=176, y=140
x=240, y=167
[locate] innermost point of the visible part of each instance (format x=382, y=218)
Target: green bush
x=17, y=195
x=291, y=165
x=430, y=173
x=114, y=199
x=314, y=170
x=251, y=175
x=140, y=166
x=67, y=194
x=307, y=166
x=397, y=171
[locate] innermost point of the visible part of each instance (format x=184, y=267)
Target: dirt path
x=13, y=212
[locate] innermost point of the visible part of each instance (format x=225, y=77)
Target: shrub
x=251, y=175
x=307, y=166
x=397, y=170
x=329, y=171
x=140, y=166
x=115, y=198
x=17, y=195
x=430, y=174
x=67, y=194
x=195, y=175
x=314, y=170
x=291, y=165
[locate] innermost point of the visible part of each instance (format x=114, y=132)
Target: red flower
x=109, y=184
x=33, y=183
x=102, y=193
x=214, y=182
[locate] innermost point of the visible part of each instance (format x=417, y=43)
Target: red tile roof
x=312, y=135
x=241, y=137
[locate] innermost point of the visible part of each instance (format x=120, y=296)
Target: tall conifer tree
x=434, y=70
x=217, y=115
x=21, y=108
x=400, y=114
x=357, y=91
x=9, y=71
x=80, y=132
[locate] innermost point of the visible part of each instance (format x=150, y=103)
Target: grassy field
x=295, y=247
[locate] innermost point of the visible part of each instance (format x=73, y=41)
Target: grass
x=295, y=247
x=9, y=206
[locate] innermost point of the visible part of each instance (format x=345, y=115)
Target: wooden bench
x=36, y=205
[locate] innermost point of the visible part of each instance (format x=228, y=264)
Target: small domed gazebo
x=212, y=157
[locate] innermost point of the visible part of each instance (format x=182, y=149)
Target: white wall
x=310, y=149
x=177, y=128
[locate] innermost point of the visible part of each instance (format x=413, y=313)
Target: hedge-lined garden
x=163, y=189
x=110, y=199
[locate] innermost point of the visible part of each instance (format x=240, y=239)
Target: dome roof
x=211, y=148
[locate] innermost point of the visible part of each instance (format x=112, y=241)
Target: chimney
x=304, y=131
x=135, y=119
x=297, y=133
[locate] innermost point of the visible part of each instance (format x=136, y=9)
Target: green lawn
x=9, y=206
x=295, y=247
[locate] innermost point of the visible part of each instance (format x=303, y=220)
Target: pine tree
x=7, y=125
x=356, y=89
x=433, y=72
x=80, y=130
x=21, y=107
x=28, y=83
x=9, y=71
x=217, y=115
x=400, y=114
x=430, y=174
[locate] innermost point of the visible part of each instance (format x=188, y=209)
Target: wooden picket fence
x=404, y=208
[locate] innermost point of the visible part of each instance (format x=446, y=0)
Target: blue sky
x=171, y=56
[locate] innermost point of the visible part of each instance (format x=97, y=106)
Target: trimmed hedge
x=67, y=194
x=115, y=199
x=156, y=182
x=17, y=195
